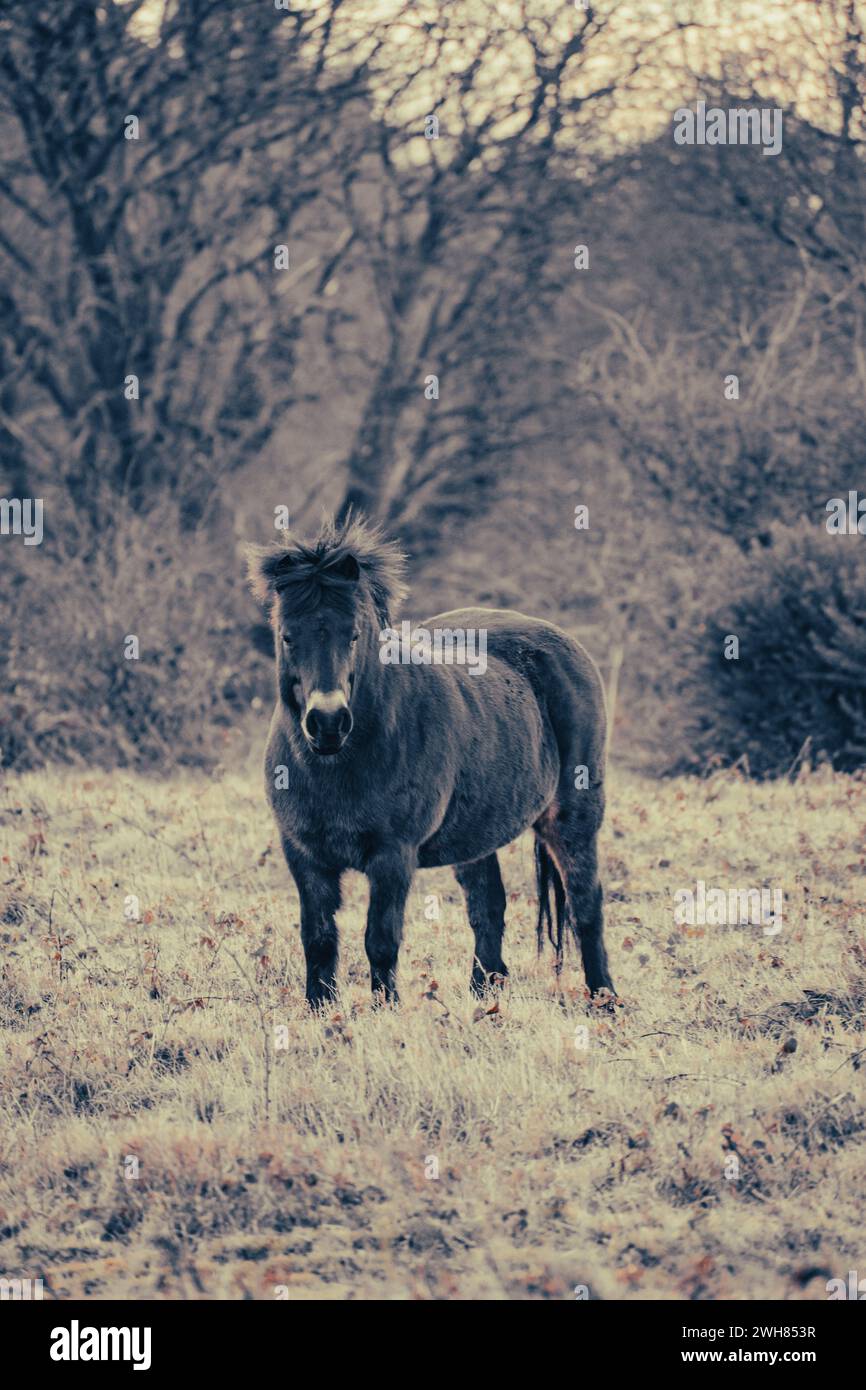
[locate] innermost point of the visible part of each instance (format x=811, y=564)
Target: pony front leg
x=319, y=892
x=390, y=874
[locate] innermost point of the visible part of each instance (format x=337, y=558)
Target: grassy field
x=174, y=1124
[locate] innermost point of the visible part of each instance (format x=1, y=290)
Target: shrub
x=798, y=608
x=68, y=691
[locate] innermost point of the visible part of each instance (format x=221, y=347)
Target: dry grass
x=302, y=1166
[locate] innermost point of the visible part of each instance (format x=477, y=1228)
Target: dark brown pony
x=386, y=768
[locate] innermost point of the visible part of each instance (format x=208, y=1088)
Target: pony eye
x=355, y=636
x=286, y=642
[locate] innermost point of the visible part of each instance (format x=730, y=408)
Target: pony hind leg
x=572, y=844
x=585, y=898
x=482, y=885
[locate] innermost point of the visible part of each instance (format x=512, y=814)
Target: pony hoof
x=383, y=998
x=483, y=982
x=604, y=997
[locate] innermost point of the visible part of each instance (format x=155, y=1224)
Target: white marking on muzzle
x=327, y=701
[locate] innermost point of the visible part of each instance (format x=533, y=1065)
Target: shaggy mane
x=306, y=571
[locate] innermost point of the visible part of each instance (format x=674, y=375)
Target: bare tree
x=812, y=197
x=153, y=158
x=156, y=155
x=467, y=227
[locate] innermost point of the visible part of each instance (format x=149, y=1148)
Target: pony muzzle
x=327, y=722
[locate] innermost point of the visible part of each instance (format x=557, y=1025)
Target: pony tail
x=550, y=918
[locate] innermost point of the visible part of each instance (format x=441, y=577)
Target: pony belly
x=477, y=830
x=503, y=786
x=440, y=852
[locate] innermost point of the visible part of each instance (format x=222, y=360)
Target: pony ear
x=347, y=568
x=379, y=560
x=264, y=564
